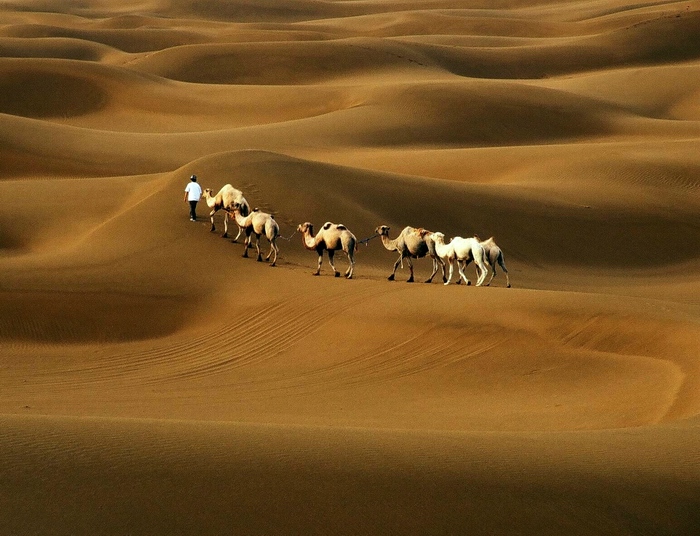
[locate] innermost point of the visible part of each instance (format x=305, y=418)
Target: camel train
x=411, y=243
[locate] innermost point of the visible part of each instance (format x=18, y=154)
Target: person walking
x=193, y=191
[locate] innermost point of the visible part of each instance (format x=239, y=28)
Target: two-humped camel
x=258, y=223
x=331, y=238
x=224, y=200
x=461, y=251
x=412, y=243
x=494, y=255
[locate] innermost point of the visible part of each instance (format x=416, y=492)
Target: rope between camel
x=288, y=237
x=365, y=241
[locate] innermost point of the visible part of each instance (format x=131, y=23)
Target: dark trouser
x=193, y=210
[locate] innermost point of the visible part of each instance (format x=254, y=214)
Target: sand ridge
x=153, y=381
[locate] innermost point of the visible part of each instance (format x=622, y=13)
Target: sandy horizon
x=154, y=381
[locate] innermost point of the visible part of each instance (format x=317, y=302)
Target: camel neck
x=240, y=220
x=308, y=240
x=388, y=243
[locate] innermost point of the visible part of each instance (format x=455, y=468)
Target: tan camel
x=493, y=255
x=258, y=223
x=412, y=243
x=224, y=200
x=331, y=238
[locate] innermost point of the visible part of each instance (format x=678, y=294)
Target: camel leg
x=435, y=269
x=257, y=248
x=410, y=266
x=502, y=263
x=482, y=277
x=351, y=267
x=492, y=266
x=211, y=217
x=449, y=278
x=396, y=267
x=246, y=244
x=238, y=235
x=493, y=274
x=480, y=263
x=273, y=249
x=320, y=261
x=466, y=263
x=461, y=268
x=225, y=235
x=331, y=254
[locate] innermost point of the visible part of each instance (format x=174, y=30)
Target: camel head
x=208, y=192
x=438, y=237
x=306, y=226
x=382, y=230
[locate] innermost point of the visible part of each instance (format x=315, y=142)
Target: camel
x=224, y=200
x=461, y=251
x=258, y=223
x=332, y=237
x=492, y=255
x=412, y=243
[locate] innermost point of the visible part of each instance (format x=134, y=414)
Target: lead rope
x=288, y=237
x=365, y=241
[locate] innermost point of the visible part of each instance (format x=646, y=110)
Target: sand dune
x=154, y=381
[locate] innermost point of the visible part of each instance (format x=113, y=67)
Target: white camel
x=258, y=223
x=493, y=255
x=224, y=200
x=411, y=243
x=461, y=251
x=331, y=238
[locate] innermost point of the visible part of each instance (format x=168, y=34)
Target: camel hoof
x=409, y=280
x=259, y=259
x=459, y=282
x=212, y=229
x=391, y=277
x=337, y=274
x=508, y=285
x=469, y=283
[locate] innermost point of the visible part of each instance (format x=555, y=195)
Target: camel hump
x=256, y=209
x=341, y=227
x=327, y=225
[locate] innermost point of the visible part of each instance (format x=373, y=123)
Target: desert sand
x=155, y=382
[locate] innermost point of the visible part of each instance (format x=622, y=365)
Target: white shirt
x=194, y=191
